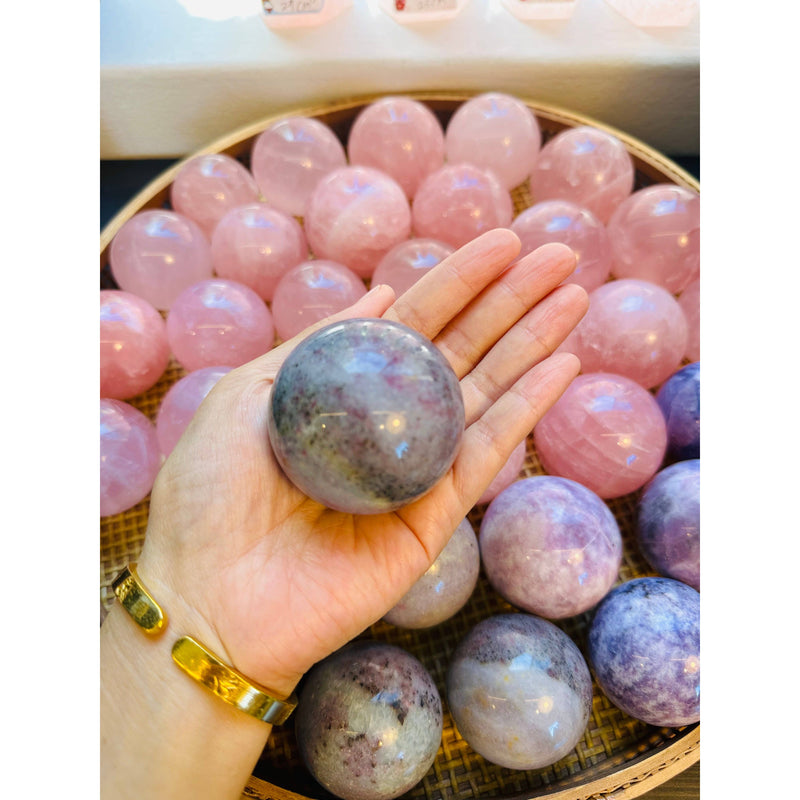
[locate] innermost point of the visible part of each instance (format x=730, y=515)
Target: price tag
x=421, y=6
x=273, y=7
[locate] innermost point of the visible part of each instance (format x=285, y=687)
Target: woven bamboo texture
x=618, y=756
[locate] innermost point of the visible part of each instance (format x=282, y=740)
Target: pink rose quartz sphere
x=181, y=402
x=312, y=291
x=129, y=456
x=399, y=136
x=606, y=432
x=459, y=202
x=156, y=254
x=290, y=157
x=206, y=187
x=655, y=236
x=495, y=132
x=134, y=351
x=355, y=216
x=588, y=166
x=256, y=245
x=408, y=261
x=633, y=328
x=689, y=301
x=509, y=472
x=219, y=323
x=576, y=227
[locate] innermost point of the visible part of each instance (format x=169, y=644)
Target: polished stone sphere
x=369, y=721
x=644, y=648
x=365, y=416
x=689, y=301
x=408, y=261
x=519, y=691
x=509, y=472
x=679, y=400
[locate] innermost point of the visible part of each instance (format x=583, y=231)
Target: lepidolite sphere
x=208, y=186
x=134, y=351
x=156, y=254
x=644, y=648
x=586, y=165
x=519, y=691
x=550, y=546
x=257, y=245
x=496, y=132
x=408, y=261
x=369, y=721
x=219, y=323
x=181, y=402
x=605, y=432
x=576, y=227
x=679, y=400
x=290, y=157
x=633, y=328
x=129, y=456
x=399, y=136
x=365, y=416
x=355, y=216
x=445, y=587
x=459, y=202
x=668, y=522
x=655, y=236
x=312, y=291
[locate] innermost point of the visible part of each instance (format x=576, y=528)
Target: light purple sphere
x=446, y=586
x=605, y=432
x=408, y=261
x=181, y=402
x=496, y=132
x=355, y=216
x=588, y=166
x=129, y=456
x=509, y=472
x=519, y=691
x=255, y=244
x=134, y=351
x=689, y=301
x=156, y=254
x=399, y=136
x=679, y=400
x=369, y=721
x=655, y=236
x=576, y=227
x=459, y=202
x=206, y=187
x=290, y=157
x=219, y=323
x=550, y=546
x=644, y=647
x=312, y=291
x=668, y=523
x=633, y=328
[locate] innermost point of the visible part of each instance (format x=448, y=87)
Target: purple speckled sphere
x=365, y=416
x=644, y=647
x=519, y=691
x=445, y=587
x=679, y=400
x=668, y=524
x=369, y=721
x=550, y=546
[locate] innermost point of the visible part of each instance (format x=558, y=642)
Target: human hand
x=273, y=581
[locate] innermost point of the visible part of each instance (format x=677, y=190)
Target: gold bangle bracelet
x=227, y=683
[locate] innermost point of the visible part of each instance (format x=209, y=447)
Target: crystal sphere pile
x=408, y=261
x=369, y=721
x=134, y=351
x=679, y=400
x=365, y=416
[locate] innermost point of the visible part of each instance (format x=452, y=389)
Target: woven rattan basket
x=618, y=756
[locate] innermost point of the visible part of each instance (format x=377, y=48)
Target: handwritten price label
x=421, y=6
x=292, y=6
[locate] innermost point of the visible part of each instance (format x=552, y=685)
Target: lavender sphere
x=679, y=400
x=668, y=524
x=365, y=416
x=369, y=721
x=519, y=691
x=644, y=647
x=550, y=546
x=445, y=587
